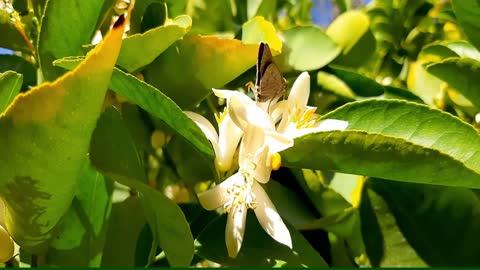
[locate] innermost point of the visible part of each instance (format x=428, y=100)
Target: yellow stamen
x=276, y=161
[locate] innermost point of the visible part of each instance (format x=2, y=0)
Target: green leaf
x=19, y=65
x=117, y=157
x=291, y=206
x=141, y=49
x=82, y=231
x=467, y=13
x=12, y=38
x=261, y=8
x=10, y=83
x=205, y=62
x=126, y=223
x=61, y=35
x=308, y=48
x=428, y=145
x=351, y=32
x=384, y=242
x=253, y=254
x=44, y=137
x=326, y=200
x=361, y=85
x=189, y=164
x=258, y=30
x=155, y=102
x=333, y=84
x=461, y=74
x=424, y=212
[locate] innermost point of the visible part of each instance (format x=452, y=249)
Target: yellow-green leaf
x=44, y=137
x=141, y=49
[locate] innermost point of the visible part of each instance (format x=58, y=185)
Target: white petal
x=277, y=111
x=331, y=124
x=269, y=218
x=253, y=139
x=277, y=142
x=229, y=136
x=244, y=112
x=300, y=90
x=227, y=94
x=216, y=197
x=235, y=229
x=206, y=127
x=262, y=169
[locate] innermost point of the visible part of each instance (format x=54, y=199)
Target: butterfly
x=270, y=84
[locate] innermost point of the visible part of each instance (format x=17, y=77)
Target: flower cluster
x=259, y=131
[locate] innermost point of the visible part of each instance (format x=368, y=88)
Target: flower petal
x=229, y=136
x=331, y=124
x=244, y=112
x=206, y=127
x=321, y=126
x=262, y=169
x=227, y=94
x=277, y=142
x=235, y=229
x=300, y=90
x=269, y=218
x=217, y=196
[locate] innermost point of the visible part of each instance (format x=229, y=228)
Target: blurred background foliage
x=421, y=51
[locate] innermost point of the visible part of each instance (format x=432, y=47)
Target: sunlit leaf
x=155, y=102
x=461, y=74
x=351, y=32
x=10, y=84
x=44, y=136
x=258, y=30
x=425, y=143
x=61, y=35
x=467, y=13
x=308, y=48
x=141, y=49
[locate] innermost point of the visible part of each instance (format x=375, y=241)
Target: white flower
x=225, y=142
x=242, y=191
x=298, y=119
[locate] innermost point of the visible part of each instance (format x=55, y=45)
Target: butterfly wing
x=263, y=60
x=272, y=84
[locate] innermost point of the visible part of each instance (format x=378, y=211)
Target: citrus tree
x=239, y=133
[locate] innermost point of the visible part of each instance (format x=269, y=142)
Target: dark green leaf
x=117, y=156
x=435, y=219
x=258, y=248
x=12, y=38
x=20, y=65
x=384, y=243
x=126, y=223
